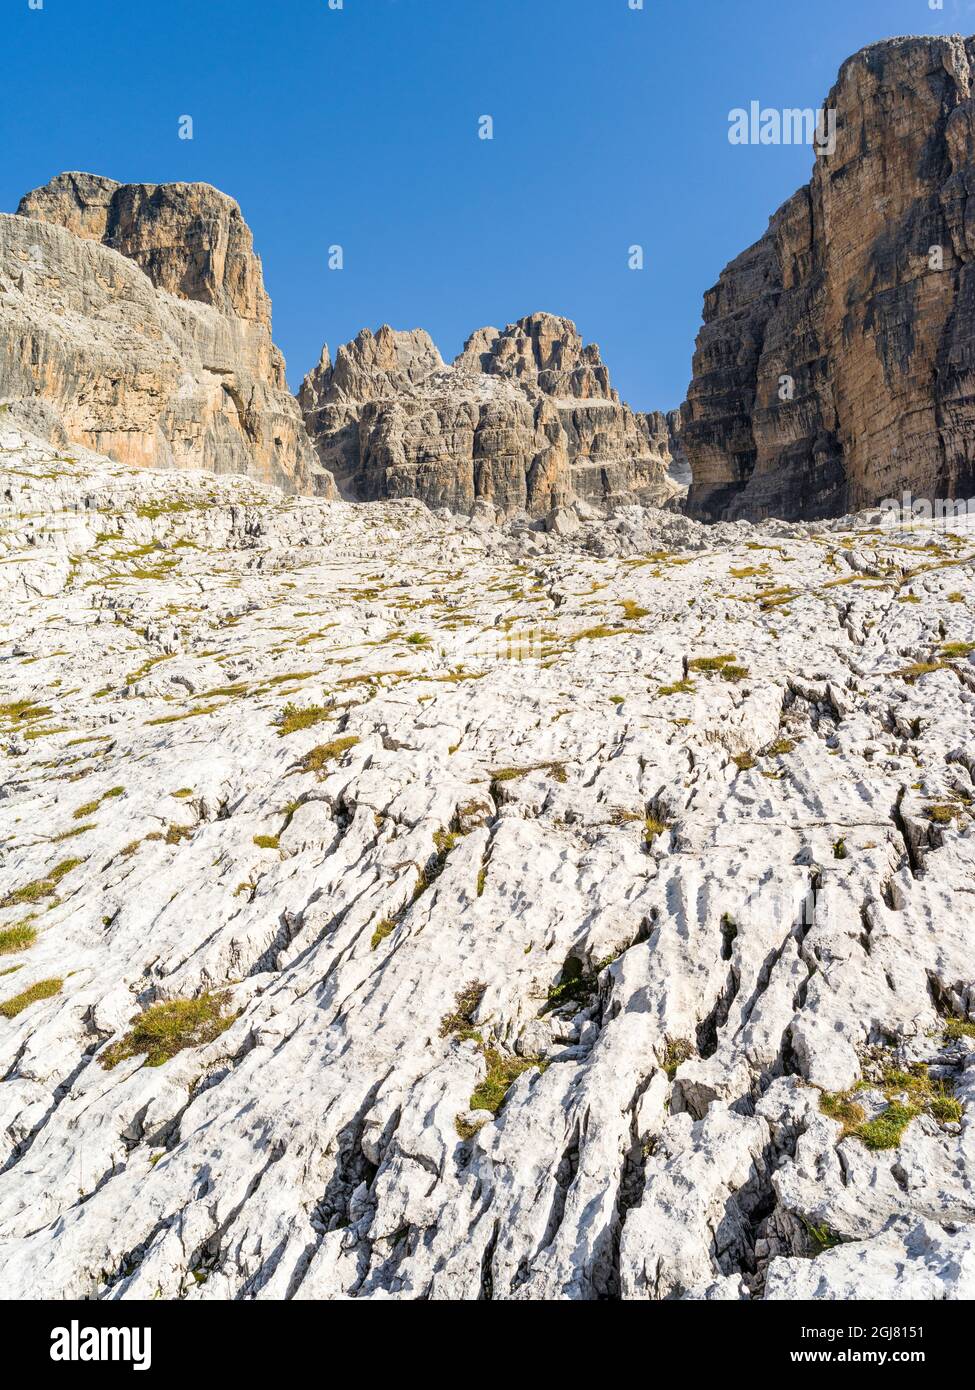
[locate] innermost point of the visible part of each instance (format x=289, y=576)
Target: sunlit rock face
x=190, y=239
x=524, y=419
x=836, y=365
x=134, y=320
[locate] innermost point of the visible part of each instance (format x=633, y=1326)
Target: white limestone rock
x=555, y=900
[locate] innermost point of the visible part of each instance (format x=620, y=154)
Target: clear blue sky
x=359, y=127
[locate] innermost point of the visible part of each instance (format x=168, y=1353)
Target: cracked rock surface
x=581, y=914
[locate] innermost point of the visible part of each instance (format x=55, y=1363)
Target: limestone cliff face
x=525, y=419
x=133, y=320
x=544, y=351
x=836, y=365
x=666, y=440
x=190, y=239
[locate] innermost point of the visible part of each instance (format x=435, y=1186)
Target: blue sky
x=358, y=127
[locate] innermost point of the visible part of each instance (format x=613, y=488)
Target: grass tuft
x=682, y=687
x=734, y=674
x=44, y=989
x=823, y=1237
x=459, y=1022
x=294, y=718
x=847, y=1112
x=885, y=1131
x=652, y=827
x=318, y=759
x=677, y=1050
x=41, y=887
x=168, y=1028
x=711, y=664
x=18, y=938
x=575, y=986
x=917, y=669
x=383, y=929
x=632, y=610
x=779, y=748
x=502, y=1073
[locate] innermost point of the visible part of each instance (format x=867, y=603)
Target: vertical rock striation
x=835, y=365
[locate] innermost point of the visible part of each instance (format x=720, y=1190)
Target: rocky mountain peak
x=80, y=202
x=190, y=239
x=135, y=321
x=524, y=418
x=373, y=366
x=543, y=350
